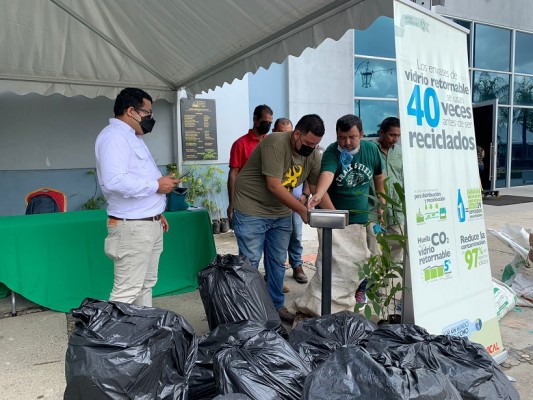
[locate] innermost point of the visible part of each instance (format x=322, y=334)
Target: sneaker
x=299, y=275
x=285, y=315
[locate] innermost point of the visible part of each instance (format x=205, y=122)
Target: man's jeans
x=295, y=243
x=256, y=235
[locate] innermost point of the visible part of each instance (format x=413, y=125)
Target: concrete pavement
x=33, y=344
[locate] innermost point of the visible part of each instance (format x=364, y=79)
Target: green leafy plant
x=204, y=183
x=385, y=275
x=172, y=170
x=95, y=202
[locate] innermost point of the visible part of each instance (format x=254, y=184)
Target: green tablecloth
x=57, y=260
x=4, y=290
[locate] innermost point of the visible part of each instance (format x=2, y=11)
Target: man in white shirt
x=135, y=192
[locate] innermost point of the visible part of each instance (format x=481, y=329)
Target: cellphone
x=185, y=174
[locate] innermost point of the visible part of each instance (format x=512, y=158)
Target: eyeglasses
x=148, y=113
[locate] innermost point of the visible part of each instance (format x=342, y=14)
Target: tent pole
x=177, y=131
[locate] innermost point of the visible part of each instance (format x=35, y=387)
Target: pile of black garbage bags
x=123, y=351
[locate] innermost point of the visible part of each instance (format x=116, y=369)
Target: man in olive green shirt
x=391, y=155
x=263, y=200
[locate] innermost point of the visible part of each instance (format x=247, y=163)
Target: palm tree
x=524, y=96
x=489, y=87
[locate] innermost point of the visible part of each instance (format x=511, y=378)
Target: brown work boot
x=299, y=275
x=285, y=315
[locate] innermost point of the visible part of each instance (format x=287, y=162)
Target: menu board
x=198, y=129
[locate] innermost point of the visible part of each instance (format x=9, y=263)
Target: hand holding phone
x=184, y=175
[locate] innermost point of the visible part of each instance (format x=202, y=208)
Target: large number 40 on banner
x=426, y=109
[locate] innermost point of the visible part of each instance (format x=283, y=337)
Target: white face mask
x=352, y=153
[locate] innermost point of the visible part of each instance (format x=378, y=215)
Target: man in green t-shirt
x=263, y=200
x=348, y=166
x=391, y=156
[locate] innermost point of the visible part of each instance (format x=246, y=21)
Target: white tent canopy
x=97, y=47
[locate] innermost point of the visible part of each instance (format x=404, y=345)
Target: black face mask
x=264, y=127
x=304, y=150
x=147, y=124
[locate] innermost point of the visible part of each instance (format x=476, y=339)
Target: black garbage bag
x=470, y=368
x=264, y=367
x=351, y=373
x=232, y=290
x=232, y=396
x=120, y=351
x=316, y=338
x=202, y=385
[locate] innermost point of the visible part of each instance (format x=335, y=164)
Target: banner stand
x=448, y=269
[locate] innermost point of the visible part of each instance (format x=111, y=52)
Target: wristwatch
x=306, y=195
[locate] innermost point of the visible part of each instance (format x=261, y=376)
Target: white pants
x=135, y=247
x=349, y=248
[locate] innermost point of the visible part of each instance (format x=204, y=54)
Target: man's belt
x=154, y=218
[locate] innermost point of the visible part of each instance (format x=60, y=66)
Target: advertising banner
x=448, y=264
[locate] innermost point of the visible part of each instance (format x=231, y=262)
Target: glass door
x=485, y=125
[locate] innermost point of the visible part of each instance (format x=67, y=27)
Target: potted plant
x=385, y=275
x=176, y=199
x=205, y=184
x=95, y=202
